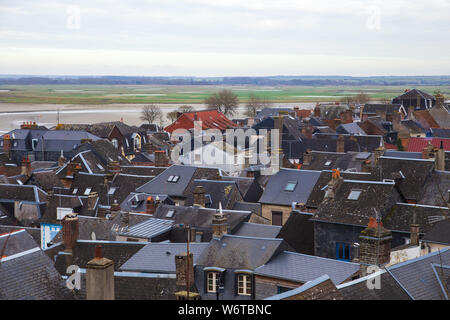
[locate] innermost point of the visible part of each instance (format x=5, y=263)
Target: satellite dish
x=93, y=236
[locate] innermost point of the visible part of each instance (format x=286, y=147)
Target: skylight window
x=112, y=190
x=173, y=179
x=100, y=166
x=75, y=191
x=290, y=186
x=354, y=195
x=87, y=191
x=328, y=163
x=170, y=213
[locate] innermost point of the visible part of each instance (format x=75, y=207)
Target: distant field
x=130, y=94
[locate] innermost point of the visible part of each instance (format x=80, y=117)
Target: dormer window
x=354, y=195
x=290, y=186
x=213, y=279
x=115, y=144
x=244, y=284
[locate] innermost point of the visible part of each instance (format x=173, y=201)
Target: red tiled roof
x=303, y=113
x=390, y=146
x=417, y=144
x=211, y=119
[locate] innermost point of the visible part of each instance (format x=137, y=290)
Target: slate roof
x=435, y=190
x=137, y=286
x=217, y=191
x=258, y=230
x=248, y=206
x=250, y=189
x=332, y=111
x=417, y=276
x=412, y=126
x=240, y=252
x=142, y=170
x=103, y=229
x=350, y=128
x=57, y=140
x=412, y=94
x=439, y=233
x=198, y=218
x=160, y=257
x=119, y=252
x=270, y=112
x=441, y=132
x=30, y=275
x=299, y=267
x=415, y=172
x=183, y=187
x=35, y=233
x=390, y=289
x=322, y=160
x=374, y=108
x=401, y=216
x=149, y=228
x=275, y=193
x=319, y=190
x=45, y=180
x=15, y=241
x=137, y=202
x=356, y=143
x=374, y=195
x=21, y=193
x=298, y=232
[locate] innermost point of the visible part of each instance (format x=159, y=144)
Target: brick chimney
x=340, y=144
x=114, y=167
x=334, y=184
x=346, y=116
x=150, y=207
x=26, y=167
x=440, y=100
x=149, y=148
x=100, y=277
x=366, y=166
x=428, y=151
x=439, y=159
x=73, y=168
x=7, y=145
x=115, y=208
x=307, y=157
x=379, y=152
x=102, y=211
x=199, y=196
x=161, y=159
x=414, y=235
x=70, y=231
x=375, y=244
x=182, y=268
x=317, y=110
x=219, y=223
x=125, y=215
x=92, y=200
x=307, y=130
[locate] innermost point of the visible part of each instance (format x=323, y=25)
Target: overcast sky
x=225, y=37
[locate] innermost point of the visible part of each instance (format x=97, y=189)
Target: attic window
x=354, y=195
x=173, y=179
x=87, y=191
x=328, y=163
x=170, y=213
x=290, y=186
x=112, y=190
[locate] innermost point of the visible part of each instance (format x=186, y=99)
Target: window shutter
x=236, y=276
x=205, y=280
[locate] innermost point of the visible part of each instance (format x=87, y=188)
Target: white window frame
x=87, y=191
x=356, y=194
x=244, y=284
x=212, y=280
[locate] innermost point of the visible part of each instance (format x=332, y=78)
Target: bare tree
x=347, y=99
x=172, y=116
x=362, y=98
x=224, y=101
x=255, y=103
x=151, y=113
